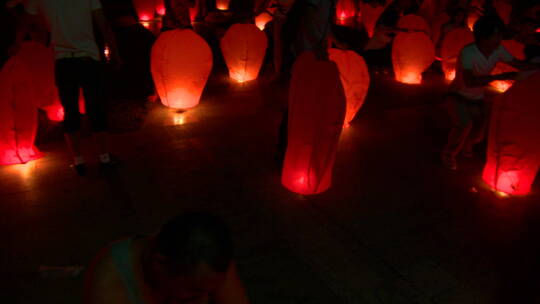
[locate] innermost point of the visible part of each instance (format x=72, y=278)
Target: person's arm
x=102, y=285
x=524, y=66
x=232, y=291
x=106, y=30
x=473, y=81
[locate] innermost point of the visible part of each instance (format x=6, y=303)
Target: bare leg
x=73, y=140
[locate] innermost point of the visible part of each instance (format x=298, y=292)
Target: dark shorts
x=71, y=75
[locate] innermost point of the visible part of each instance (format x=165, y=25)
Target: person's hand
x=507, y=76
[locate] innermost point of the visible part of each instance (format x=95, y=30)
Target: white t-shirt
x=71, y=26
x=471, y=58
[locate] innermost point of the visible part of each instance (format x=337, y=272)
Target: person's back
x=188, y=261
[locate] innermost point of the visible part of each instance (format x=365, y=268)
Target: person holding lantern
x=469, y=111
x=190, y=260
x=77, y=66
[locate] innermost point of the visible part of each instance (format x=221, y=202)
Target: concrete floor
x=394, y=228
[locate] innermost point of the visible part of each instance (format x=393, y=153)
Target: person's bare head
x=488, y=33
x=191, y=256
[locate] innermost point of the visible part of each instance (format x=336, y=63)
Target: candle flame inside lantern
x=146, y=24
x=107, y=53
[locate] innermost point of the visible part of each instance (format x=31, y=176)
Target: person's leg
x=462, y=124
x=67, y=83
x=480, y=124
x=95, y=106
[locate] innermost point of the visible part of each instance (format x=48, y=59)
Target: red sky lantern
x=451, y=47
x=18, y=110
x=513, y=156
x=412, y=54
x=354, y=77
x=244, y=47
x=345, y=9
x=414, y=22
x=145, y=9
x=370, y=16
x=222, y=5
x=517, y=50
x=160, y=7
x=262, y=20
x=504, y=10
x=181, y=62
x=316, y=114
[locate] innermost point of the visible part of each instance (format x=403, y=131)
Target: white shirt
x=71, y=26
x=471, y=58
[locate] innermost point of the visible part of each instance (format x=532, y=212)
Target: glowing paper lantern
x=244, y=47
x=181, y=62
x=222, y=5
x=452, y=44
x=517, y=49
x=18, y=110
x=316, y=113
x=354, y=77
x=471, y=19
x=414, y=22
x=160, y=7
x=370, y=16
x=145, y=9
x=513, y=156
x=504, y=10
x=345, y=9
x=262, y=20
x=412, y=54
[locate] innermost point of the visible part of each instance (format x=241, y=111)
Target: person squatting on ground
x=71, y=25
x=469, y=111
x=190, y=261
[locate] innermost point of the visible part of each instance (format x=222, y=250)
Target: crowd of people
x=191, y=259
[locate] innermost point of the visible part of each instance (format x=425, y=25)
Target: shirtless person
x=190, y=261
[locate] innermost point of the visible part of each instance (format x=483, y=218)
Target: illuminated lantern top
x=181, y=62
x=414, y=22
x=262, y=20
x=160, y=7
x=452, y=44
x=412, y=54
x=145, y=9
x=316, y=113
x=222, y=5
x=354, y=77
x=513, y=149
x=345, y=9
x=244, y=47
x=370, y=16
x=18, y=110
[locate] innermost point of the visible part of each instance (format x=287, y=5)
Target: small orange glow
x=501, y=194
x=262, y=20
x=24, y=170
x=411, y=78
x=107, y=53
x=342, y=16
x=471, y=20
x=502, y=85
x=179, y=119
x=222, y=5
x=346, y=125
x=146, y=24
x=450, y=75
x=145, y=18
